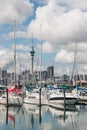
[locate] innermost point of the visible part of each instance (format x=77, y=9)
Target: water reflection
x=32, y=117
x=34, y=112
x=62, y=114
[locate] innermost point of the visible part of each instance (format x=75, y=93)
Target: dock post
x=40, y=97
x=7, y=97
x=40, y=114
x=64, y=112
x=64, y=97
x=6, y=115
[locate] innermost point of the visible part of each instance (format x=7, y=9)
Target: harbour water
x=32, y=117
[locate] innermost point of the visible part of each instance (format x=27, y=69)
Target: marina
x=40, y=111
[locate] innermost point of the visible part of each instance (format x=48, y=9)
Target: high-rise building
x=44, y=75
x=50, y=71
x=4, y=74
x=85, y=76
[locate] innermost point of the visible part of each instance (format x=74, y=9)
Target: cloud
x=47, y=48
x=71, y=4
x=18, y=9
x=64, y=57
x=58, y=25
x=6, y=57
x=63, y=29
x=21, y=47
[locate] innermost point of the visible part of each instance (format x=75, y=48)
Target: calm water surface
x=31, y=117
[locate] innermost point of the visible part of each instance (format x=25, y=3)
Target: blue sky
x=59, y=25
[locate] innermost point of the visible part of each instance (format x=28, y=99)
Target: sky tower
x=32, y=52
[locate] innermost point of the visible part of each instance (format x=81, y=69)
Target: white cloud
x=15, y=9
x=82, y=47
x=64, y=57
x=56, y=30
x=47, y=48
x=59, y=26
x=21, y=47
x=6, y=57
x=45, y=16
x=81, y=4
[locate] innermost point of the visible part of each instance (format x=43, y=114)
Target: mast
x=74, y=65
x=41, y=56
x=40, y=71
x=14, y=53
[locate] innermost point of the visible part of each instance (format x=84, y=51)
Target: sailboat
x=12, y=97
x=79, y=91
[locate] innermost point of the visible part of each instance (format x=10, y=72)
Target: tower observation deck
x=32, y=52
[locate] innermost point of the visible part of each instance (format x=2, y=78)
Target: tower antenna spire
x=32, y=52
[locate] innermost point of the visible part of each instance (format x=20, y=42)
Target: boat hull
x=12, y=100
x=61, y=106
x=35, y=101
x=61, y=100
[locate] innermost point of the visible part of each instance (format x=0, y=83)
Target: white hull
x=35, y=101
x=16, y=100
x=61, y=106
x=82, y=100
x=59, y=98
x=12, y=100
x=34, y=98
x=61, y=101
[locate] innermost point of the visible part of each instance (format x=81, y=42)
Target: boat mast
x=41, y=56
x=74, y=65
x=14, y=53
x=40, y=70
